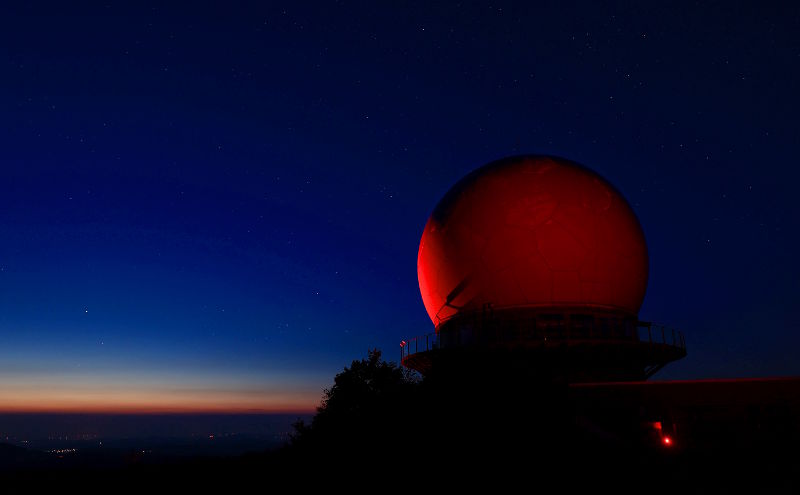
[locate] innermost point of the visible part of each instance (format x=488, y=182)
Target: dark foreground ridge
x=379, y=423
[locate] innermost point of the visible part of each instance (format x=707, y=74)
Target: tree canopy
x=366, y=402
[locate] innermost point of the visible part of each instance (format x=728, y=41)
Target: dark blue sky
x=223, y=203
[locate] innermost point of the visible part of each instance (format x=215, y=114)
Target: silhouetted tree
x=363, y=407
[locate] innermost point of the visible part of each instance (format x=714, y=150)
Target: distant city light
x=62, y=451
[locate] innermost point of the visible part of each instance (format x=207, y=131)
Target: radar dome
x=532, y=231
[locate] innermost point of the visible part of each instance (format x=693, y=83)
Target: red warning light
x=667, y=441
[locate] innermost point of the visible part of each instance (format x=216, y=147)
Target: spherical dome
x=532, y=231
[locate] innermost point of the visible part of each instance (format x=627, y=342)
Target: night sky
x=218, y=208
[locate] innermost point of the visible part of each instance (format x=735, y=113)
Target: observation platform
x=580, y=344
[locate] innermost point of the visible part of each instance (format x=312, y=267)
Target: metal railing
x=543, y=330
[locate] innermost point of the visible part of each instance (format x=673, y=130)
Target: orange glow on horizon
x=150, y=409
x=133, y=400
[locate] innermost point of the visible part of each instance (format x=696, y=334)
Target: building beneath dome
x=537, y=265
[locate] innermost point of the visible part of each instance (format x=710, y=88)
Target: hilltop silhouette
x=467, y=426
